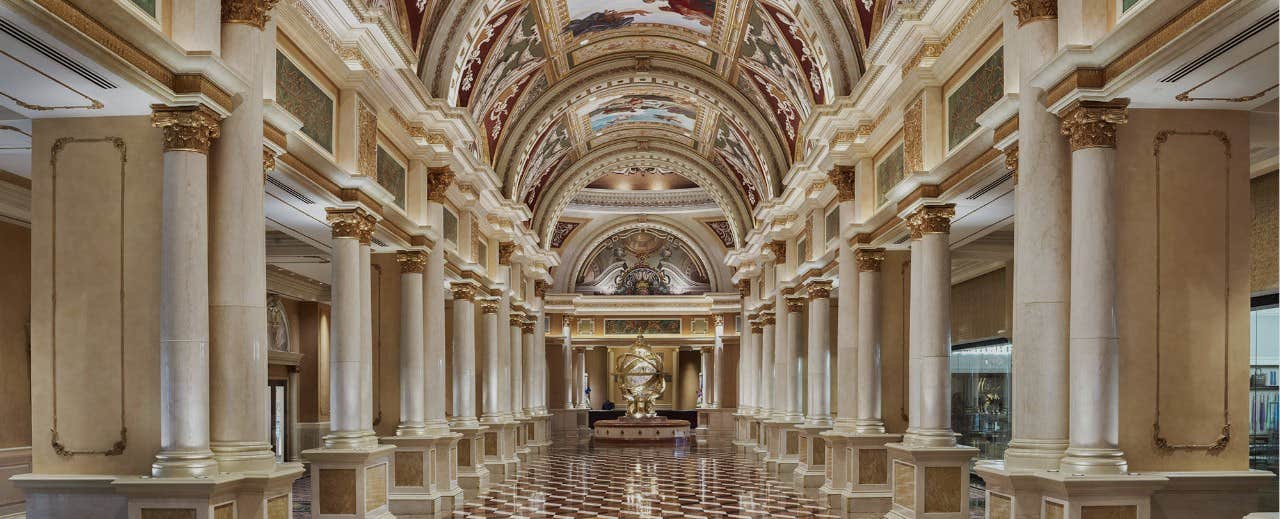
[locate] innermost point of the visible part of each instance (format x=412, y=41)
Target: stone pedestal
x=351, y=483
x=499, y=450
x=424, y=476
x=811, y=472
x=570, y=425
x=929, y=482
x=858, y=479
x=539, y=434
x=473, y=474
x=267, y=495
x=524, y=428
x=760, y=451
x=783, y=449
x=745, y=433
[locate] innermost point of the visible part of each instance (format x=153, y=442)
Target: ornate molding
x=869, y=260
x=248, y=12
x=779, y=250
x=186, y=128
x=931, y=219
x=351, y=223
x=1029, y=11
x=489, y=305
x=1092, y=124
x=744, y=287
x=717, y=320
x=268, y=161
x=797, y=303
x=505, y=250
x=1011, y=161
x=438, y=182
x=367, y=146
x=819, y=289
x=845, y=179
x=412, y=261
x=463, y=292
x=913, y=136
x=767, y=319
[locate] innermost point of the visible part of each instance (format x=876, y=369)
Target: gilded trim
x=1185, y=97
x=94, y=104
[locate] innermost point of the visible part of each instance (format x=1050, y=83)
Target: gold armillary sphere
x=639, y=373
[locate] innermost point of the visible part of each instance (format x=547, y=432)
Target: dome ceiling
x=728, y=82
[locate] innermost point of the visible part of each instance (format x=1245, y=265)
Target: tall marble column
x=847, y=389
x=751, y=377
x=1040, y=258
x=348, y=430
x=491, y=404
x=1095, y=343
x=433, y=342
x=818, y=359
x=933, y=223
x=413, y=392
x=184, y=292
x=717, y=360
x=464, y=356
x=764, y=393
x=515, y=331
x=570, y=383
x=584, y=401
x=237, y=254
x=870, y=419
x=366, y=330
x=532, y=395
x=704, y=382
x=914, y=334
x=793, y=376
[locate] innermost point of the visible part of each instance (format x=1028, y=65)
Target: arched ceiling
x=713, y=90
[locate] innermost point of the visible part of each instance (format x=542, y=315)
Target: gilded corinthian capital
x=248, y=12
x=350, y=223
x=931, y=219
x=186, y=128
x=438, y=181
x=1092, y=124
x=869, y=260
x=844, y=178
x=1029, y=11
x=412, y=261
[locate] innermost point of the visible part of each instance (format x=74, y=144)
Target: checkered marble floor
x=641, y=482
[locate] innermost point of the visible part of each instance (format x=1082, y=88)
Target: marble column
x=584, y=401
x=913, y=333
x=870, y=419
x=515, y=331
x=704, y=382
x=464, y=356
x=933, y=223
x=348, y=429
x=818, y=358
x=717, y=360
x=366, y=332
x=566, y=331
x=1095, y=343
x=184, y=292
x=750, y=376
x=413, y=392
x=847, y=389
x=237, y=254
x=1042, y=240
x=531, y=354
x=793, y=376
x=434, y=322
x=764, y=390
x=491, y=403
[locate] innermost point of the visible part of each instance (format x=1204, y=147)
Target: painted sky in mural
x=589, y=16
x=640, y=108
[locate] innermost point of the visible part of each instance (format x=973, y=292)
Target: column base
x=500, y=450
x=783, y=450
x=745, y=434
x=424, y=476
x=524, y=431
x=351, y=483
x=570, y=426
x=472, y=475
x=760, y=451
x=1034, y=455
x=858, y=481
x=929, y=482
x=811, y=472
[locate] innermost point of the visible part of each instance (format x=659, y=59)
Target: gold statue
x=639, y=373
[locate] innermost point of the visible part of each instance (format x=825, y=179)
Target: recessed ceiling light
x=584, y=42
x=702, y=43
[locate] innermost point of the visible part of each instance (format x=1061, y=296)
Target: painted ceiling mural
x=642, y=261
x=527, y=73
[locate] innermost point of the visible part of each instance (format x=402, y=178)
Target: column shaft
x=717, y=362
x=584, y=401
x=413, y=392
x=765, y=387
x=818, y=358
x=366, y=335
x=847, y=388
x=913, y=340
x=491, y=403
x=530, y=362
x=518, y=404
x=933, y=224
x=570, y=400
x=433, y=321
x=464, y=356
x=346, y=406
x=704, y=367
x=793, y=372
x=870, y=417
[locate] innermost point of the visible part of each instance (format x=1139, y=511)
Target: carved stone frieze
x=1092, y=124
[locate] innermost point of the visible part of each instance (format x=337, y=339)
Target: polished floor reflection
x=641, y=482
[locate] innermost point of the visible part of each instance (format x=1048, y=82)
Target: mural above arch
x=643, y=261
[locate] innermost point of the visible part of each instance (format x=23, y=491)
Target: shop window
x=1264, y=380
x=981, y=396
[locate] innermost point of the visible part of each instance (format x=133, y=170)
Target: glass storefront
x=981, y=384
x=1264, y=383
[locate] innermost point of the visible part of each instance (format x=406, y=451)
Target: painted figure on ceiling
x=701, y=11
x=603, y=21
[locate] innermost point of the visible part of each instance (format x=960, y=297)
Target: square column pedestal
x=473, y=475
x=760, y=451
x=746, y=433
x=783, y=449
x=570, y=425
x=539, y=434
x=811, y=472
x=524, y=428
x=351, y=483
x=929, y=482
x=858, y=474
x=424, y=479
x=265, y=495
x=500, y=450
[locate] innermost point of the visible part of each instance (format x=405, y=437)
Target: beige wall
x=687, y=367
x=980, y=307
x=15, y=366
x=894, y=292
x=386, y=343
x=1183, y=287
x=313, y=398
x=102, y=337
x=1263, y=235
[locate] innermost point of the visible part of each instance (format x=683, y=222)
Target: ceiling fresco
x=731, y=81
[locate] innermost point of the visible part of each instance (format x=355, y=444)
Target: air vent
x=987, y=188
x=294, y=192
x=49, y=52
x=902, y=240
x=378, y=242
x=1223, y=48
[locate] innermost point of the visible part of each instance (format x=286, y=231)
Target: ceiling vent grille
x=902, y=240
x=1223, y=48
x=378, y=242
x=987, y=188
x=17, y=33
x=287, y=189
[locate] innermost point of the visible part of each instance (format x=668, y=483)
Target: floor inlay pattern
x=641, y=482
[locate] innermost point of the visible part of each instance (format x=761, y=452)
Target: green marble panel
x=1126, y=4
x=391, y=175
x=888, y=174
x=974, y=96
x=303, y=98
x=148, y=6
